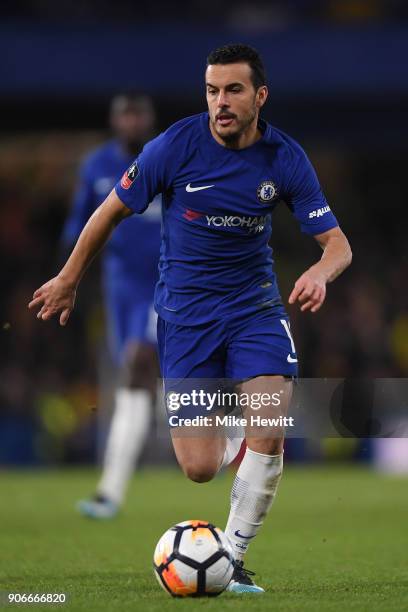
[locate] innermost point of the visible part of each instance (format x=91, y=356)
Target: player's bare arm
x=310, y=288
x=58, y=294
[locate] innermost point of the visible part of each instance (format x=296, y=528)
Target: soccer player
x=129, y=273
x=222, y=174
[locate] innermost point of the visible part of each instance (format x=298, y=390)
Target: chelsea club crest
x=266, y=191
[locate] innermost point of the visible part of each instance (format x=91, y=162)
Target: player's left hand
x=309, y=290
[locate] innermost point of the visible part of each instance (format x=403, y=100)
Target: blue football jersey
x=215, y=260
x=132, y=253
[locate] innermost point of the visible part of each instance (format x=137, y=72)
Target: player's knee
x=199, y=473
x=265, y=446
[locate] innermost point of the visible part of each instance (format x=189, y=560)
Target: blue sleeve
x=83, y=206
x=149, y=175
x=304, y=196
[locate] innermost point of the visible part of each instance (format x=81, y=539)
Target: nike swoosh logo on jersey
x=242, y=536
x=190, y=189
x=292, y=359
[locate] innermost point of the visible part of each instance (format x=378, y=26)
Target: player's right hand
x=55, y=296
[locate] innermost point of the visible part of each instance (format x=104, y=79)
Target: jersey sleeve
x=304, y=195
x=148, y=175
x=82, y=207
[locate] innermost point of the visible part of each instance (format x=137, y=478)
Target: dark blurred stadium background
x=338, y=84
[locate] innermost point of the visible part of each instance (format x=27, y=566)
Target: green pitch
x=336, y=540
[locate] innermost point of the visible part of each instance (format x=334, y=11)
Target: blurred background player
x=129, y=274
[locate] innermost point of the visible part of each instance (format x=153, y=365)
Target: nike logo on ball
x=291, y=359
x=239, y=535
x=190, y=189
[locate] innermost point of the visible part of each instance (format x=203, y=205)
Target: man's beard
x=233, y=137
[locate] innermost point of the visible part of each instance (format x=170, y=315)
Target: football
x=193, y=558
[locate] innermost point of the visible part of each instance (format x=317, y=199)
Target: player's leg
x=131, y=329
x=202, y=451
x=131, y=420
x=199, y=455
x=192, y=360
x=260, y=471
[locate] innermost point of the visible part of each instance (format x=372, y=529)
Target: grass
x=336, y=539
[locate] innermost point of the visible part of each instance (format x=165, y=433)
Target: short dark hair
x=231, y=54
